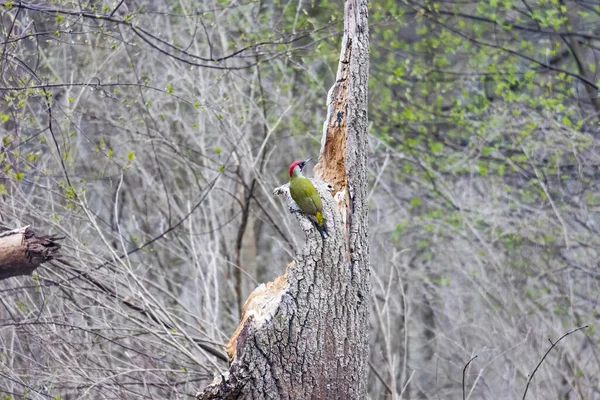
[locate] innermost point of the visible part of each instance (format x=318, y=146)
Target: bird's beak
x=303, y=163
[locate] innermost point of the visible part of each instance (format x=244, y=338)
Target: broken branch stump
x=22, y=250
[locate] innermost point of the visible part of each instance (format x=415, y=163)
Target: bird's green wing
x=316, y=199
x=306, y=195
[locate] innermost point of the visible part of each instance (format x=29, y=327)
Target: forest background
x=151, y=134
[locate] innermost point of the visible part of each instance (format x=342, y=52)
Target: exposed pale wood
x=259, y=304
x=305, y=335
x=22, y=251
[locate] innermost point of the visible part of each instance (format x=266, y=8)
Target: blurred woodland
x=150, y=134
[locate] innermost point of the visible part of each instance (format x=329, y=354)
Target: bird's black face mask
x=303, y=163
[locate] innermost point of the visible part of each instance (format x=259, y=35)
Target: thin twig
x=465, y=373
x=548, y=352
x=378, y=376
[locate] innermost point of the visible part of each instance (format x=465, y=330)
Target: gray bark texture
x=305, y=335
x=22, y=251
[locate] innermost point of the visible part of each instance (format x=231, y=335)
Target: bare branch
x=553, y=345
x=464, y=373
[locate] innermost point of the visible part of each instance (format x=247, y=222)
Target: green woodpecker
x=306, y=196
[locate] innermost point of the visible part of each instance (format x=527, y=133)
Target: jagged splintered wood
x=22, y=251
x=305, y=335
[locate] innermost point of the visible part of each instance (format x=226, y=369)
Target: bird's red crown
x=293, y=165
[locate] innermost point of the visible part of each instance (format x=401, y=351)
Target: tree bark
x=22, y=251
x=305, y=335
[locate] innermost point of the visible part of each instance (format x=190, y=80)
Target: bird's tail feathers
x=319, y=223
x=322, y=230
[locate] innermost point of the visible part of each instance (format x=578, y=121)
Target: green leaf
x=482, y=170
x=436, y=147
x=501, y=168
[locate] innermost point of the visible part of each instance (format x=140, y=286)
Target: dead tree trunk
x=305, y=335
x=22, y=251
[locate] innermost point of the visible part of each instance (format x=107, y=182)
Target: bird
x=307, y=196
